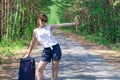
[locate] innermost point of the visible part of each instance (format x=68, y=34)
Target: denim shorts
x=51, y=53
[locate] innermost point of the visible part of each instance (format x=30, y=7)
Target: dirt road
x=77, y=64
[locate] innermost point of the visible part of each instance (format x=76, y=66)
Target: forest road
x=77, y=63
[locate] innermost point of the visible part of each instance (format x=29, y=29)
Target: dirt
x=113, y=57
x=11, y=64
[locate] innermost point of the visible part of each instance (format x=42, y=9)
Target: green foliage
x=99, y=19
x=53, y=16
x=5, y=52
x=19, y=43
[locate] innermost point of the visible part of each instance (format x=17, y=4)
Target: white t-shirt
x=45, y=36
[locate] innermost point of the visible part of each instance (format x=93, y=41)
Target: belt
x=50, y=47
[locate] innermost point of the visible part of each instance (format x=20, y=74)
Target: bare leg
x=39, y=70
x=55, y=65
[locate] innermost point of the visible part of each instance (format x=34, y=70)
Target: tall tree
x=1, y=18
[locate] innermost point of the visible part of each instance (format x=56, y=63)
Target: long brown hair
x=42, y=16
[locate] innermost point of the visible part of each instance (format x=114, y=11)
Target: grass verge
x=93, y=38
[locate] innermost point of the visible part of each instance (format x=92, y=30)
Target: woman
x=52, y=50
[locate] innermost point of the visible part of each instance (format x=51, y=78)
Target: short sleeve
x=35, y=32
x=49, y=27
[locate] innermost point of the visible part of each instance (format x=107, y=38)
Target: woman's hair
x=42, y=16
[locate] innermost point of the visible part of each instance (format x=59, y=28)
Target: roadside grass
x=8, y=48
x=93, y=38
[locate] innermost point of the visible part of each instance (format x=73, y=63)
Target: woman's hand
x=76, y=23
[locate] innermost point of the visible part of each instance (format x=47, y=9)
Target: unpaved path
x=77, y=64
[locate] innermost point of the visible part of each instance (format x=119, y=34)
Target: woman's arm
x=64, y=24
x=31, y=45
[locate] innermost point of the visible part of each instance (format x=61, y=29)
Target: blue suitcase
x=27, y=69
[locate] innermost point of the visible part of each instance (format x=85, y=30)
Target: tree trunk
x=7, y=17
x=1, y=19
x=15, y=20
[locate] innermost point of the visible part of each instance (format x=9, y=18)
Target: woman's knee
x=39, y=69
x=41, y=66
x=55, y=65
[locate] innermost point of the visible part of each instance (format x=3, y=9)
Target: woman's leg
x=39, y=70
x=55, y=65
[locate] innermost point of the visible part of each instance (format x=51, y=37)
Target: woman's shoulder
x=48, y=26
x=36, y=29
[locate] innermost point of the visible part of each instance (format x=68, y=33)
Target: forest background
x=99, y=21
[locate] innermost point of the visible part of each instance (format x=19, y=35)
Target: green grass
x=94, y=39
x=104, y=42
x=7, y=47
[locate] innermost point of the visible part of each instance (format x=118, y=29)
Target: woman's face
x=42, y=22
